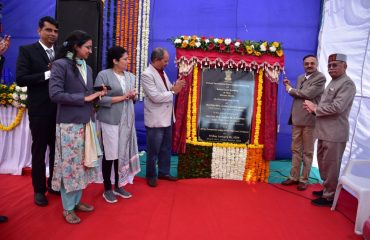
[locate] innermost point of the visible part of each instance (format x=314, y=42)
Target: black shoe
x=40, y=200
x=318, y=193
x=168, y=178
x=302, y=186
x=152, y=182
x=3, y=219
x=289, y=182
x=322, y=202
x=51, y=191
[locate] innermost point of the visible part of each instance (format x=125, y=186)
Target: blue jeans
x=158, y=143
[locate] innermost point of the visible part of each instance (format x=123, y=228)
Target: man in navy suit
x=4, y=45
x=33, y=71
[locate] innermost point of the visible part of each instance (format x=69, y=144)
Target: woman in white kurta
x=117, y=117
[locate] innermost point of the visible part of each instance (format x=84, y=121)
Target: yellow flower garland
x=258, y=108
x=256, y=168
x=16, y=121
x=194, y=108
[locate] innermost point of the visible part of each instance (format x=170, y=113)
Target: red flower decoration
x=211, y=46
x=222, y=47
x=232, y=48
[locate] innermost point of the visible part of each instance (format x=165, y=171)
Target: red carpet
x=187, y=209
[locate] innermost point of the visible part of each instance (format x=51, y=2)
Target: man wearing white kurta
x=158, y=116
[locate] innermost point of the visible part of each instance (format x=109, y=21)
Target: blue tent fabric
x=294, y=23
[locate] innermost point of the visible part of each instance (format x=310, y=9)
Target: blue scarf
x=80, y=62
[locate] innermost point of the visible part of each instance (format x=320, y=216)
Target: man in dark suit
x=4, y=45
x=310, y=86
x=332, y=126
x=33, y=71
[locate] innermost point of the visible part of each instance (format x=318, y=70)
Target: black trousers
x=43, y=135
x=106, y=170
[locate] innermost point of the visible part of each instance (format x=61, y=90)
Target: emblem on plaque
x=228, y=75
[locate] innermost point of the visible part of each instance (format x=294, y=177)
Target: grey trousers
x=329, y=157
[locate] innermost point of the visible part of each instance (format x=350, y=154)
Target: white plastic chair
x=356, y=178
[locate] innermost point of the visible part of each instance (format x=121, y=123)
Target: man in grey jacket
x=332, y=126
x=159, y=116
x=310, y=86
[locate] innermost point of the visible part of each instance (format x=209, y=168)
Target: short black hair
x=49, y=20
x=309, y=55
x=115, y=52
x=157, y=54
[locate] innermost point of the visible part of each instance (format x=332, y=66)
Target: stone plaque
x=226, y=106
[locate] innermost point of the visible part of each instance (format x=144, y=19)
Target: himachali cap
x=337, y=57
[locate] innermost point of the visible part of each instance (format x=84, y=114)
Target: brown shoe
x=289, y=182
x=302, y=186
x=83, y=207
x=71, y=217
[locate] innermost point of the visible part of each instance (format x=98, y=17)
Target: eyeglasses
x=332, y=65
x=88, y=47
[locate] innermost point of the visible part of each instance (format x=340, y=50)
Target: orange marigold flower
x=184, y=45
x=249, y=50
x=186, y=37
x=3, y=102
x=276, y=44
x=257, y=53
x=220, y=40
x=279, y=53
x=192, y=43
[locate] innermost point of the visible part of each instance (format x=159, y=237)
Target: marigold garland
x=16, y=121
x=118, y=22
x=136, y=19
x=256, y=168
x=259, y=107
x=132, y=33
x=194, y=109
